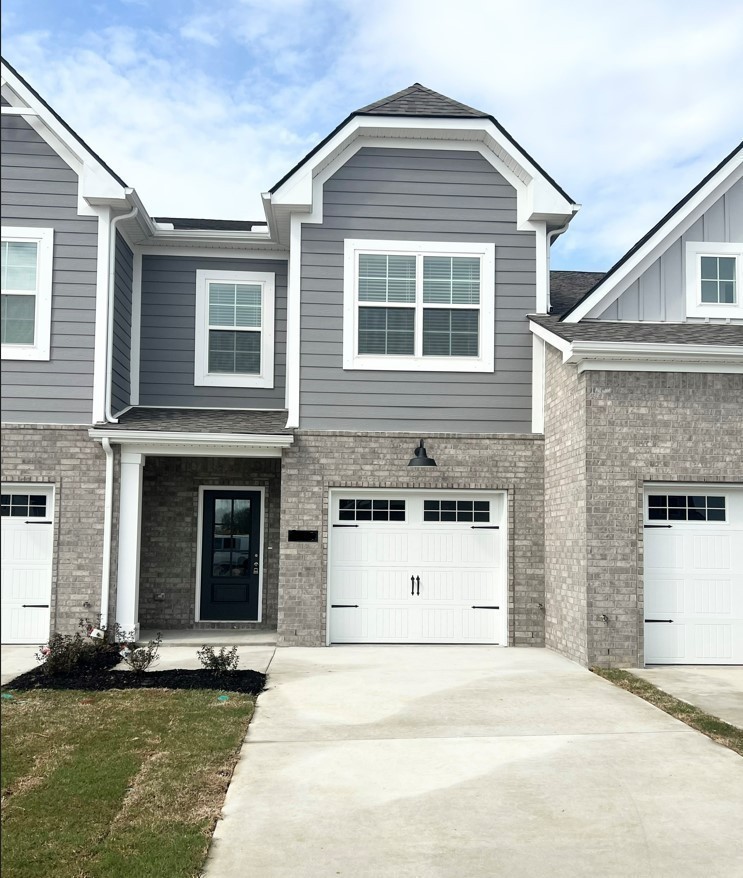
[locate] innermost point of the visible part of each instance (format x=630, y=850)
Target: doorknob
x=255, y=568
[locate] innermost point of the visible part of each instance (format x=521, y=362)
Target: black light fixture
x=421, y=458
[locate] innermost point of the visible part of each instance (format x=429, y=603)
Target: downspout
x=107, y=528
x=550, y=238
x=111, y=300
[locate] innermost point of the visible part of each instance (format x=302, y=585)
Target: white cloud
x=626, y=106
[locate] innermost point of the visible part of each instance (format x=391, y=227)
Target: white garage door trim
x=693, y=573
x=27, y=562
x=485, y=597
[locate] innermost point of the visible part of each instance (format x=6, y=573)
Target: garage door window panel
x=371, y=510
x=690, y=508
x=456, y=510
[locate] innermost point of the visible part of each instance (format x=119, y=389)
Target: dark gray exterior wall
x=122, y=330
x=170, y=499
x=660, y=292
x=168, y=335
x=607, y=434
x=424, y=195
x=319, y=461
x=40, y=190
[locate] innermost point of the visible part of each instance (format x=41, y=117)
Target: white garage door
x=693, y=575
x=27, y=548
x=417, y=567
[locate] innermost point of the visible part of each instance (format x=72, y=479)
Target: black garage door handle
x=659, y=620
x=38, y=606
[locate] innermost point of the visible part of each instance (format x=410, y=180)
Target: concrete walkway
x=15, y=660
x=717, y=689
x=457, y=762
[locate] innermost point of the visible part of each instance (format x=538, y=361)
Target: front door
x=230, y=556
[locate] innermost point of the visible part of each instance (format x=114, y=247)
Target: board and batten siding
x=168, y=335
x=659, y=294
x=39, y=190
x=122, y=326
x=417, y=195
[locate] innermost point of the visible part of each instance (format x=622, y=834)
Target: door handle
x=255, y=568
x=412, y=585
x=418, y=583
x=659, y=620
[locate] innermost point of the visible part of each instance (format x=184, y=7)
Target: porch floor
x=211, y=637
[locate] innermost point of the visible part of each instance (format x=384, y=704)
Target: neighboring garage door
x=27, y=548
x=417, y=567
x=693, y=575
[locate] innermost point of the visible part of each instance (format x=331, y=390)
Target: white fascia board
x=214, y=252
x=683, y=219
x=277, y=440
x=561, y=344
x=542, y=200
x=95, y=180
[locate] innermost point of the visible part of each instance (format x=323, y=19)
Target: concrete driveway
x=455, y=762
x=15, y=660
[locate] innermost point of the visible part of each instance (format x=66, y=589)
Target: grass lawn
x=715, y=728
x=115, y=784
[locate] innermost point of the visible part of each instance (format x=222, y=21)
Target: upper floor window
x=234, y=328
x=714, y=279
x=26, y=276
x=419, y=306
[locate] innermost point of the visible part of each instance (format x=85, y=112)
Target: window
x=23, y=505
x=234, y=329
x=714, y=278
x=26, y=275
x=456, y=510
x=371, y=510
x=419, y=306
x=694, y=507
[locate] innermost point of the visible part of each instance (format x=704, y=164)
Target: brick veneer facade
x=319, y=461
x=639, y=427
x=67, y=458
x=170, y=498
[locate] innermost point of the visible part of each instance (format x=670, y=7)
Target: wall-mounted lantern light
x=421, y=458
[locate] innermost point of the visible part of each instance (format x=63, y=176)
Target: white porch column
x=130, y=520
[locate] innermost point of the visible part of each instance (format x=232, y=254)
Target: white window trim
x=41, y=348
x=202, y=376
x=694, y=305
x=485, y=362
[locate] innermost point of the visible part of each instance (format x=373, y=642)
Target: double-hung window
x=234, y=329
x=26, y=272
x=419, y=306
x=714, y=279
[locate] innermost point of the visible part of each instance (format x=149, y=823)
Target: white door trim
x=199, y=541
x=399, y=493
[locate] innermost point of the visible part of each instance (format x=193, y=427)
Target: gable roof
x=666, y=224
x=417, y=100
x=567, y=287
x=64, y=124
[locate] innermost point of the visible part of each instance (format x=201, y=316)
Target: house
x=211, y=424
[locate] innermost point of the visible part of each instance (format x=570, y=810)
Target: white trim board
x=199, y=550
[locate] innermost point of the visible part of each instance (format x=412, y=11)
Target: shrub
x=140, y=658
x=64, y=654
x=218, y=662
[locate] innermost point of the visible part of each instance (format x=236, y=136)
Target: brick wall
x=564, y=500
x=170, y=495
x=607, y=434
x=645, y=426
x=69, y=459
x=319, y=461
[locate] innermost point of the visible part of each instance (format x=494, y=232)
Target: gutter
x=110, y=302
x=107, y=529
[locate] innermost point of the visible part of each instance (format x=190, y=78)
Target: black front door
x=230, y=555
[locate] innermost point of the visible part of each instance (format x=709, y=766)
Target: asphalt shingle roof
x=183, y=222
x=202, y=421
x=417, y=100
x=567, y=287
x=649, y=333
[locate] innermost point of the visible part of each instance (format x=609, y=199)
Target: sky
x=201, y=107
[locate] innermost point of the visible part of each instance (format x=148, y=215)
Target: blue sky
x=201, y=107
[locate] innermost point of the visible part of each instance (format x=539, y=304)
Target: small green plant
x=139, y=658
x=64, y=654
x=218, y=662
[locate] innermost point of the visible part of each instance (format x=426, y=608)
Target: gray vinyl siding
x=39, y=190
x=167, y=346
x=659, y=294
x=424, y=195
x=122, y=329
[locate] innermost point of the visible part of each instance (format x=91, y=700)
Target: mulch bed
x=100, y=678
